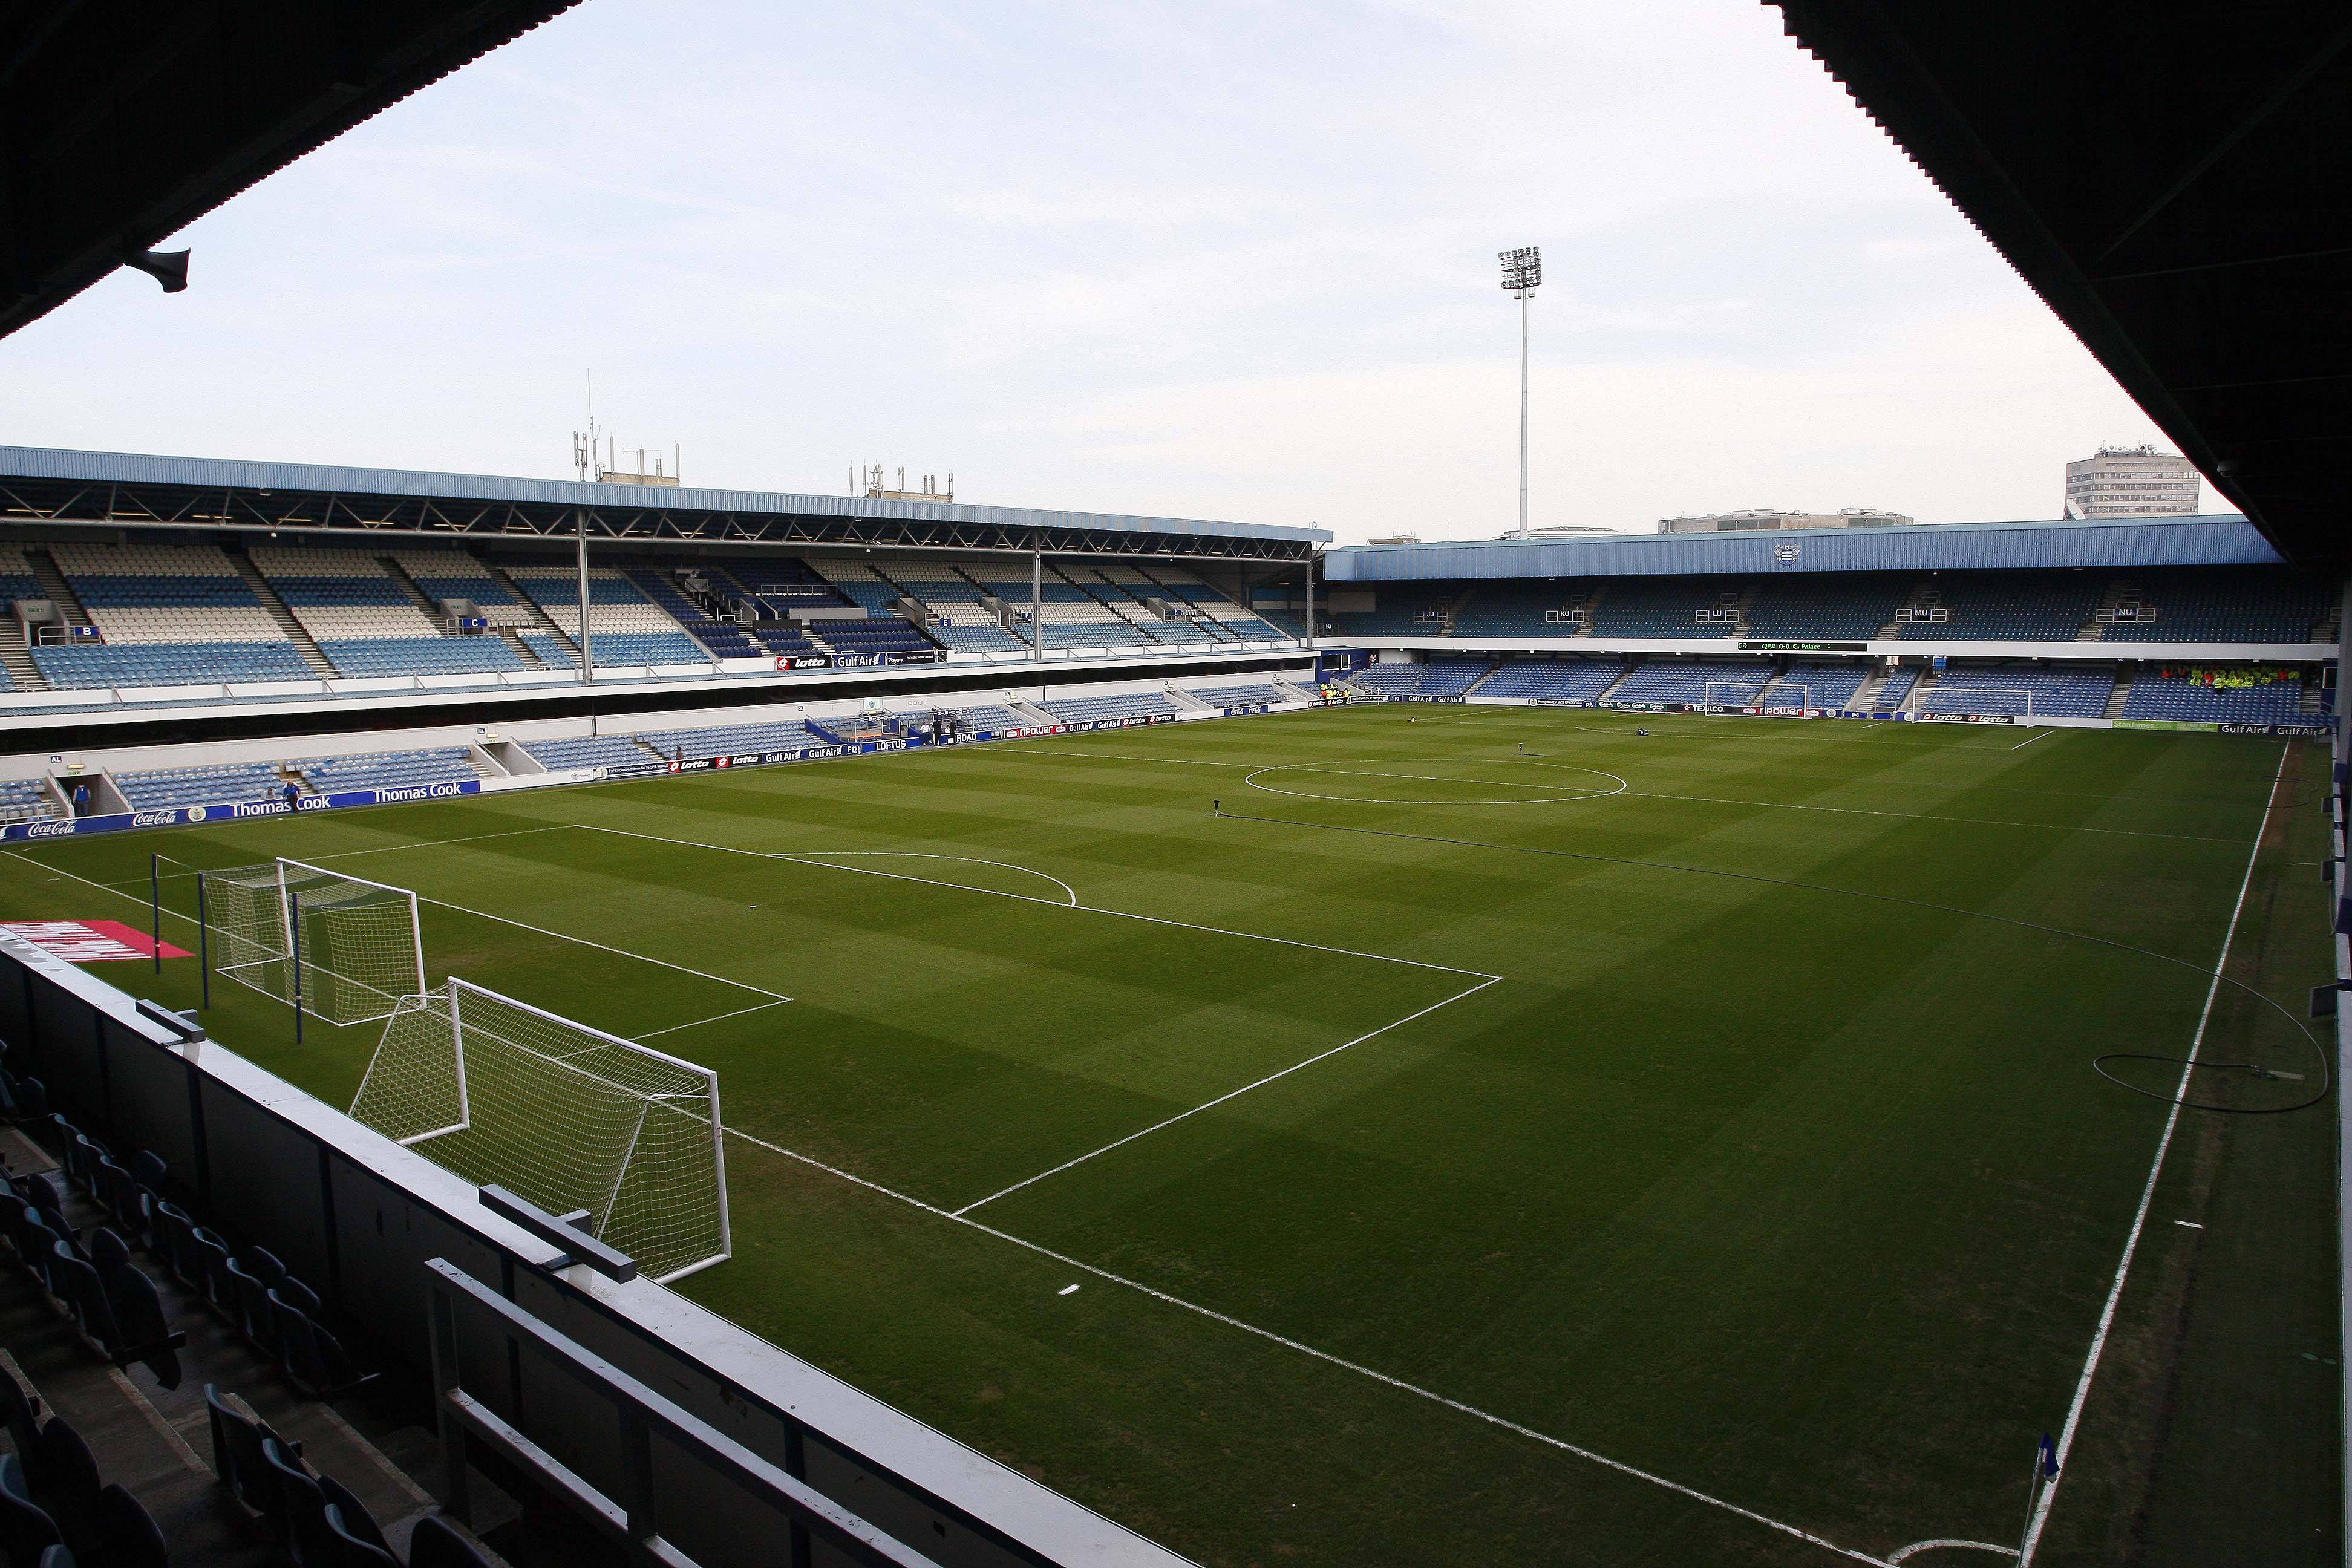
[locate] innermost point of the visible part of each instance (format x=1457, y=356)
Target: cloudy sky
x=1203, y=259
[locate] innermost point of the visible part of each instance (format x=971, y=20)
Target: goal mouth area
x=341, y=949
x=562, y=1114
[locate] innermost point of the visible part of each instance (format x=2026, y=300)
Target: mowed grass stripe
x=1795, y=1196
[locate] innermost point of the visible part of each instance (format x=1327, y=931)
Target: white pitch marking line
x=461, y=909
x=1049, y=903
x=821, y=857
x=715, y=1017
x=1325, y=1356
x=2031, y=739
x=1949, y=1544
x=2148, y=1193
x=2190, y=1223
x=1212, y=1104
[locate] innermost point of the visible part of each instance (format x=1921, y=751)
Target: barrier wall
x=359, y=1216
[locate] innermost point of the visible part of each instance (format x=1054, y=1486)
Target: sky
x=1208, y=260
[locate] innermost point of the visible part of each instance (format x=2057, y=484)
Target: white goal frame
x=1978, y=692
x=271, y=961
x=394, y=1097
x=1710, y=703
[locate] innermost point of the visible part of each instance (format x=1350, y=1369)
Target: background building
x=1770, y=518
x=2131, y=482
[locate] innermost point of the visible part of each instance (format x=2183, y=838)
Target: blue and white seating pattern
x=1817, y=685
x=1845, y=606
x=25, y=800
x=1235, y=696
x=223, y=784
x=1686, y=681
x=388, y=769
x=2011, y=606
x=723, y=638
x=1133, y=704
x=730, y=740
x=1897, y=692
x=2183, y=701
x=2226, y=604
x=1664, y=607
x=1554, y=679
x=591, y=752
x=990, y=716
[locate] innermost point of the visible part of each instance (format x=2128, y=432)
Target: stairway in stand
x=312, y=654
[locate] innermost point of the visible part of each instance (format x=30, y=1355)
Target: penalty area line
x=1302, y=1347
x=1230, y=1094
x=715, y=1017
x=2147, y=1192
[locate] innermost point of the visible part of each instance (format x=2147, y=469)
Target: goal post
x=1719, y=695
x=2017, y=701
x=567, y=1116
x=338, y=947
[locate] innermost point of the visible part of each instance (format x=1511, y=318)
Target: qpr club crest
x=1784, y=553
x=196, y=813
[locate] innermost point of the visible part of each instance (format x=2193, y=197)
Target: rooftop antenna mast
x=1522, y=271
x=584, y=444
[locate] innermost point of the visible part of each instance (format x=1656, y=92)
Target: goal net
x=1722, y=694
x=340, y=948
x=569, y=1117
x=1944, y=697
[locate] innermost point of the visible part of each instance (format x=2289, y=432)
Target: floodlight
x=1522, y=270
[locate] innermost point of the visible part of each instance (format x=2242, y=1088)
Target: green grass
x=1773, y=1164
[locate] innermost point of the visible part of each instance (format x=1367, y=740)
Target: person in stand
x=81, y=800
x=293, y=795
x=681, y=755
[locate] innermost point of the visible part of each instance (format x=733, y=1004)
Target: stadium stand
x=726, y=740
x=1828, y=685
x=958, y=618
x=882, y=635
x=2007, y=606
x=1400, y=610
x=2069, y=691
x=990, y=716
x=724, y=639
x=1235, y=696
x=25, y=800
x=2253, y=604
x=625, y=626
x=1554, y=679
x=1181, y=585
x=591, y=752
x=1843, y=607
x=1441, y=677
x=442, y=575
x=388, y=769
x=1892, y=695
x=223, y=784
x=2256, y=696
x=1668, y=607
x=1686, y=680
x=1128, y=705
x=1507, y=609
x=168, y=614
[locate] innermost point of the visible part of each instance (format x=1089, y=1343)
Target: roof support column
x=1308, y=640
x=1037, y=598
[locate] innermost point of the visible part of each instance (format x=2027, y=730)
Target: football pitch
x=1431, y=1135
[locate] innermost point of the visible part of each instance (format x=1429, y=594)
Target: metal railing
x=633, y=1519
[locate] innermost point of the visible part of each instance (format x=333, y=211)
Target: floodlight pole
x=1522, y=271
